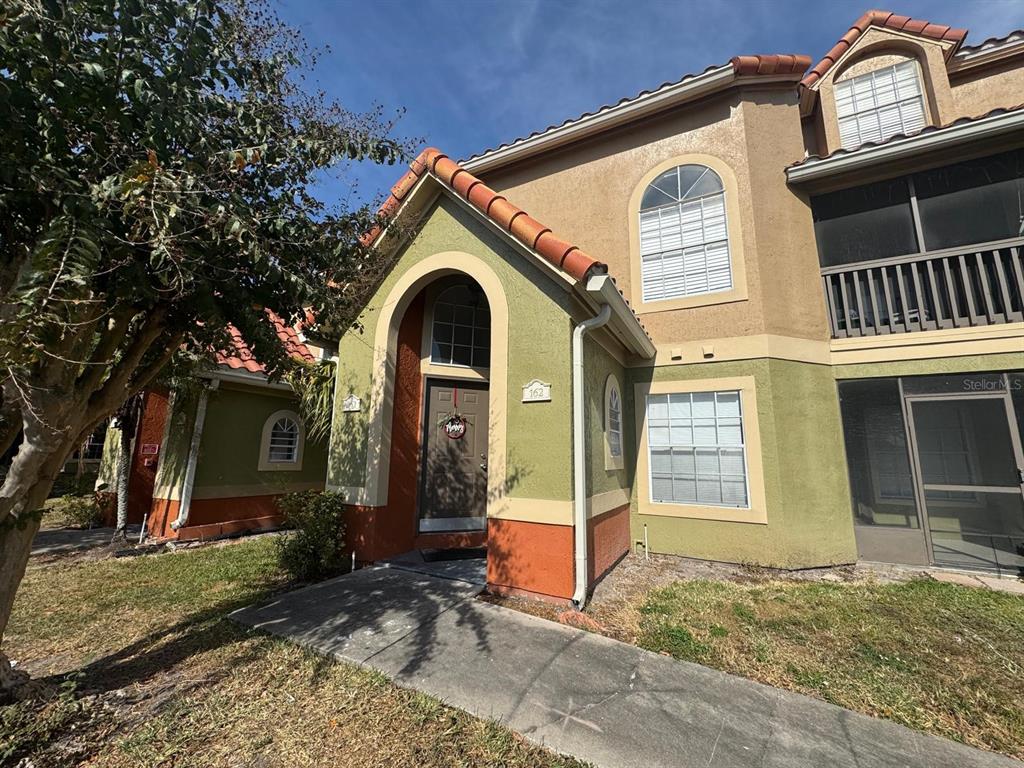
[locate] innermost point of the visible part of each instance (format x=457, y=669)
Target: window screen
x=872, y=221
x=880, y=104
x=696, y=449
x=976, y=201
x=684, y=243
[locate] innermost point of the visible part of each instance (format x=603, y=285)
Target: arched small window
x=612, y=424
x=461, y=331
x=684, y=240
x=282, y=443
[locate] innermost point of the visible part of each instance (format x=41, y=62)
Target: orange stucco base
x=536, y=559
x=213, y=518
x=607, y=542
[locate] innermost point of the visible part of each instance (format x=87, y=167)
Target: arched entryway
x=454, y=445
x=438, y=403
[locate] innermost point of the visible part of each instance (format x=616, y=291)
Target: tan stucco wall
x=949, y=95
x=584, y=192
x=978, y=91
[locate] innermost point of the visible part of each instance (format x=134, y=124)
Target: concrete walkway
x=55, y=541
x=583, y=694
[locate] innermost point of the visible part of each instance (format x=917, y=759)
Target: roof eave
x=900, y=148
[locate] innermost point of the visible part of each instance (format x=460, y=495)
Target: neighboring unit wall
x=805, y=520
x=230, y=493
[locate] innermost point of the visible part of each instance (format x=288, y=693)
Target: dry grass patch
x=936, y=657
x=136, y=665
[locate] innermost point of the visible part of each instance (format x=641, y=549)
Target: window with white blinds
x=696, y=449
x=614, y=422
x=684, y=241
x=880, y=104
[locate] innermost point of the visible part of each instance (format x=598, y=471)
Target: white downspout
x=193, y=455
x=579, y=457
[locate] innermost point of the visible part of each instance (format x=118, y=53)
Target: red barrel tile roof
x=517, y=222
x=889, y=20
x=770, y=64
x=242, y=357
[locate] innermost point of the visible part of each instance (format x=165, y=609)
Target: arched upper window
x=684, y=239
x=612, y=424
x=461, y=331
x=283, y=438
x=880, y=104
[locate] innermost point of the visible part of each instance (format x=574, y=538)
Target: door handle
x=483, y=464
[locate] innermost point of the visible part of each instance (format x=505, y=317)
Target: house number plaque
x=351, y=404
x=537, y=392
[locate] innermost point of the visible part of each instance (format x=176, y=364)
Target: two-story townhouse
x=739, y=301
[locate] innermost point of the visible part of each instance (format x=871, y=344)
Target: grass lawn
x=134, y=664
x=937, y=657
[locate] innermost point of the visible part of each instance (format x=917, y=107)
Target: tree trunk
x=15, y=547
x=123, y=471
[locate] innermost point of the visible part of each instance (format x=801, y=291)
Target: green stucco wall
x=539, y=438
x=181, y=416
x=598, y=366
x=229, y=452
x=968, y=364
x=806, y=485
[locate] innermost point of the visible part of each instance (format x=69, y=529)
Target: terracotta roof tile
x=242, y=357
x=889, y=20
x=770, y=64
x=518, y=223
x=561, y=254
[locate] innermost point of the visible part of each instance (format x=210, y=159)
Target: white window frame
x=694, y=446
x=613, y=461
x=845, y=92
x=265, y=463
x=747, y=386
x=679, y=253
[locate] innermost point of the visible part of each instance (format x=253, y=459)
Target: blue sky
x=472, y=74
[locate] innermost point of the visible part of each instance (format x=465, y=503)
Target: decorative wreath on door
x=453, y=423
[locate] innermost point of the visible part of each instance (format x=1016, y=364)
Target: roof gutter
x=579, y=456
x=613, y=309
x=601, y=289
x=639, y=107
x=908, y=146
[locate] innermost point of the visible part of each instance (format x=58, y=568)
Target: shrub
x=78, y=511
x=313, y=549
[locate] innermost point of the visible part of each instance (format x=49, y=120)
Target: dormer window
x=880, y=104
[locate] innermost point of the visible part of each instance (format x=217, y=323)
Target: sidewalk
x=54, y=541
x=583, y=694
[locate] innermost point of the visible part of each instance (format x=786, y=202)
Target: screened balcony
x=939, y=249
